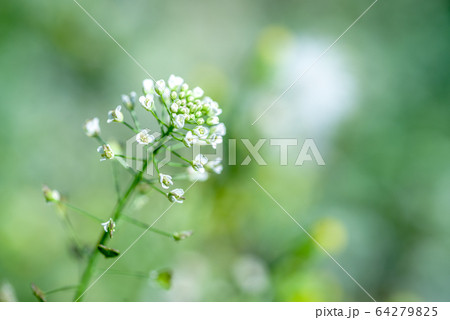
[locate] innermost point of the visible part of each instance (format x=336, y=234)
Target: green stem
x=130, y=126
x=146, y=226
x=87, y=214
x=60, y=289
x=135, y=120
x=93, y=257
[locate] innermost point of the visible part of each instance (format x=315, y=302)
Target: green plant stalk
x=93, y=257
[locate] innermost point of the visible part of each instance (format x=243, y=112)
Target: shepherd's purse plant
x=186, y=119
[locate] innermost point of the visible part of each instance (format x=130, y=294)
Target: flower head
x=214, y=140
x=144, y=137
x=197, y=92
x=174, y=82
x=201, y=131
x=179, y=121
x=215, y=166
x=105, y=152
x=147, y=102
x=165, y=180
x=115, y=115
x=109, y=227
x=199, y=161
x=51, y=195
x=219, y=129
x=92, y=127
x=190, y=139
x=128, y=100
x=160, y=87
x=176, y=195
x=147, y=86
x=212, y=120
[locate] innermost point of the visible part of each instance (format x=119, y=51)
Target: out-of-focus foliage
x=377, y=105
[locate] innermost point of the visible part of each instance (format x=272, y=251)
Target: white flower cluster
x=186, y=115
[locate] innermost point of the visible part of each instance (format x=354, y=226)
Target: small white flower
x=194, y=175
x=214, y=140
x=219, y=129
x=126, y=100
x=174, y=108
x=199, y=161
x=51, y=195
x=160, y=86
x=214, y=109
x=178, y=121
x=212, y=121
x=115, y=115
x=176, y=195
x=215, y=165
x=174, y=82
x=105, y=152
x=197, y=92
x=201, y=132
x=92, y=127
x=165, y=180
x=147, y=85
x=190, y=139
x=147, y=102
x=144, y=137
x=109, y=227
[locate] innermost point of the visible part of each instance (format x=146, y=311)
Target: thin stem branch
x=83, y=212
x=146, y=226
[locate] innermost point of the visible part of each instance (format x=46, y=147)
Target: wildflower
x=174, y=108
x=178, y=121
x=51, y=195
x=199, y=161
x=109, y=227
x=174, y=82
x=212, y=120
x=105, y=152
x=176, y=195
x=219, y=129
x=126, y=100
x=160, y=87
x=201, y=132
x=115, y=115
x=214, y=140
x=214, y=109
x=190, y=139
x=165, y=180
x=92, y=127
x=144, y=137
x=147, y=86
x=197, y=92
x=147, y=102
x=195, y=175
x=215, y=166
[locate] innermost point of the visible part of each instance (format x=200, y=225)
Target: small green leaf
x=108, y=252
x=38, y=293
x=163, y=278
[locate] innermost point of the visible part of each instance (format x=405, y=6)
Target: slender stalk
x=130, y=126
x=83, y=212
x=103, y=239
x=135, y=120
x=60, y=289
x=146, y=226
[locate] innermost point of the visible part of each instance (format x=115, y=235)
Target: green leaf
x=108, y=252
x=38, y=293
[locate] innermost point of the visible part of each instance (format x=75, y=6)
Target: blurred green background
x=377, y=106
